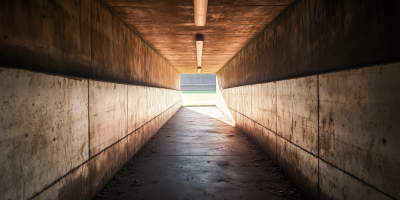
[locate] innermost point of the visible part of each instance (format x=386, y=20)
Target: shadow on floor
x=199, y=154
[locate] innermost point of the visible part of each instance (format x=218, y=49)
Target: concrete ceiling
x=168, y=25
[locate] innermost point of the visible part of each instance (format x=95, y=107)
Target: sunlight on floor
x=212, y=112
x=198, y=98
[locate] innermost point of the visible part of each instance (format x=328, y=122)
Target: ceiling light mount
x=198, y=70
x=199, y=50
x=200, y=12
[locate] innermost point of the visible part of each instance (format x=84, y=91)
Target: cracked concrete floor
x=199, y=154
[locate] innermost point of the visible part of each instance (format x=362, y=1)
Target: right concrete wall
x=317, y=36
x=335, y=134
x=318, y=90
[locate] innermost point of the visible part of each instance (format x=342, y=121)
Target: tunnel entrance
x=198, y=89
x=85, y=84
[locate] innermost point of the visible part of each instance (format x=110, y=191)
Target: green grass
x=198, y=98
x=198, y=92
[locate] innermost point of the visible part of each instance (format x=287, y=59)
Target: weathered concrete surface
x=134, y=107
x=104, y=166
x=45, y=138
x=269, y=140
x=334, y=184
x=47, y=151
x=142, y=106
x=152, y=101
x=49, y=36
x=62, y=188
x=264, y=104
x=199, y=154
x=314, y=36
x=140, y=136
x=169, y=27
x=146, y=103
x=297, y=112
x=359, y=124
x=89, y=178
x=107, y=114
x=301, y=166
x=120, y=55
x=107, y=45
x=81, y=39
x=245, y=94
x=346, y=120
x=44, y=130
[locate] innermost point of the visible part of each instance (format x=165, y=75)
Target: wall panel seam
x=278, y=135
x=317, y=156
x=276, y=120
x=318, y=175
x=127, y=117
x=76, y=168
x=146, y=42
x=88, y=111
x=355, y=177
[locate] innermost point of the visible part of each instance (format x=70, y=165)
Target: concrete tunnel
x=308, y=95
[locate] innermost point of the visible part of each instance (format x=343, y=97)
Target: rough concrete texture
x=107, y=114
x=45, y=137
x=334, y=184
x=264, y=105
x=300, y=165
x=134, y=109
x=89, y=178
x=314, y=36
x=62, y=188
x=336, y=133
x=169, y=26
x=43, y=124
x=359, y=117
x=81, y=39
x=297, y=112
x=199, y=154
x=269, y=140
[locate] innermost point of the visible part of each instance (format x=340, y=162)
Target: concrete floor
x=199, y=154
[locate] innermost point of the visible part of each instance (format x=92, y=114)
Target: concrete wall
x=81, y=39
x=63, y=137
x=315, y=36
x=85, y=105
x=335, y=134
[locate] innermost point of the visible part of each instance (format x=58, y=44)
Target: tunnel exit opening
x=198, y=89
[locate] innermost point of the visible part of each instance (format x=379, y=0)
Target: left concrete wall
x=81, y=92
x=63, y=137
x=44, y=130
x=79, y=38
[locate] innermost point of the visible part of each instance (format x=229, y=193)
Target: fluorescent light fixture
x=199, y=49
x=200, y=12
